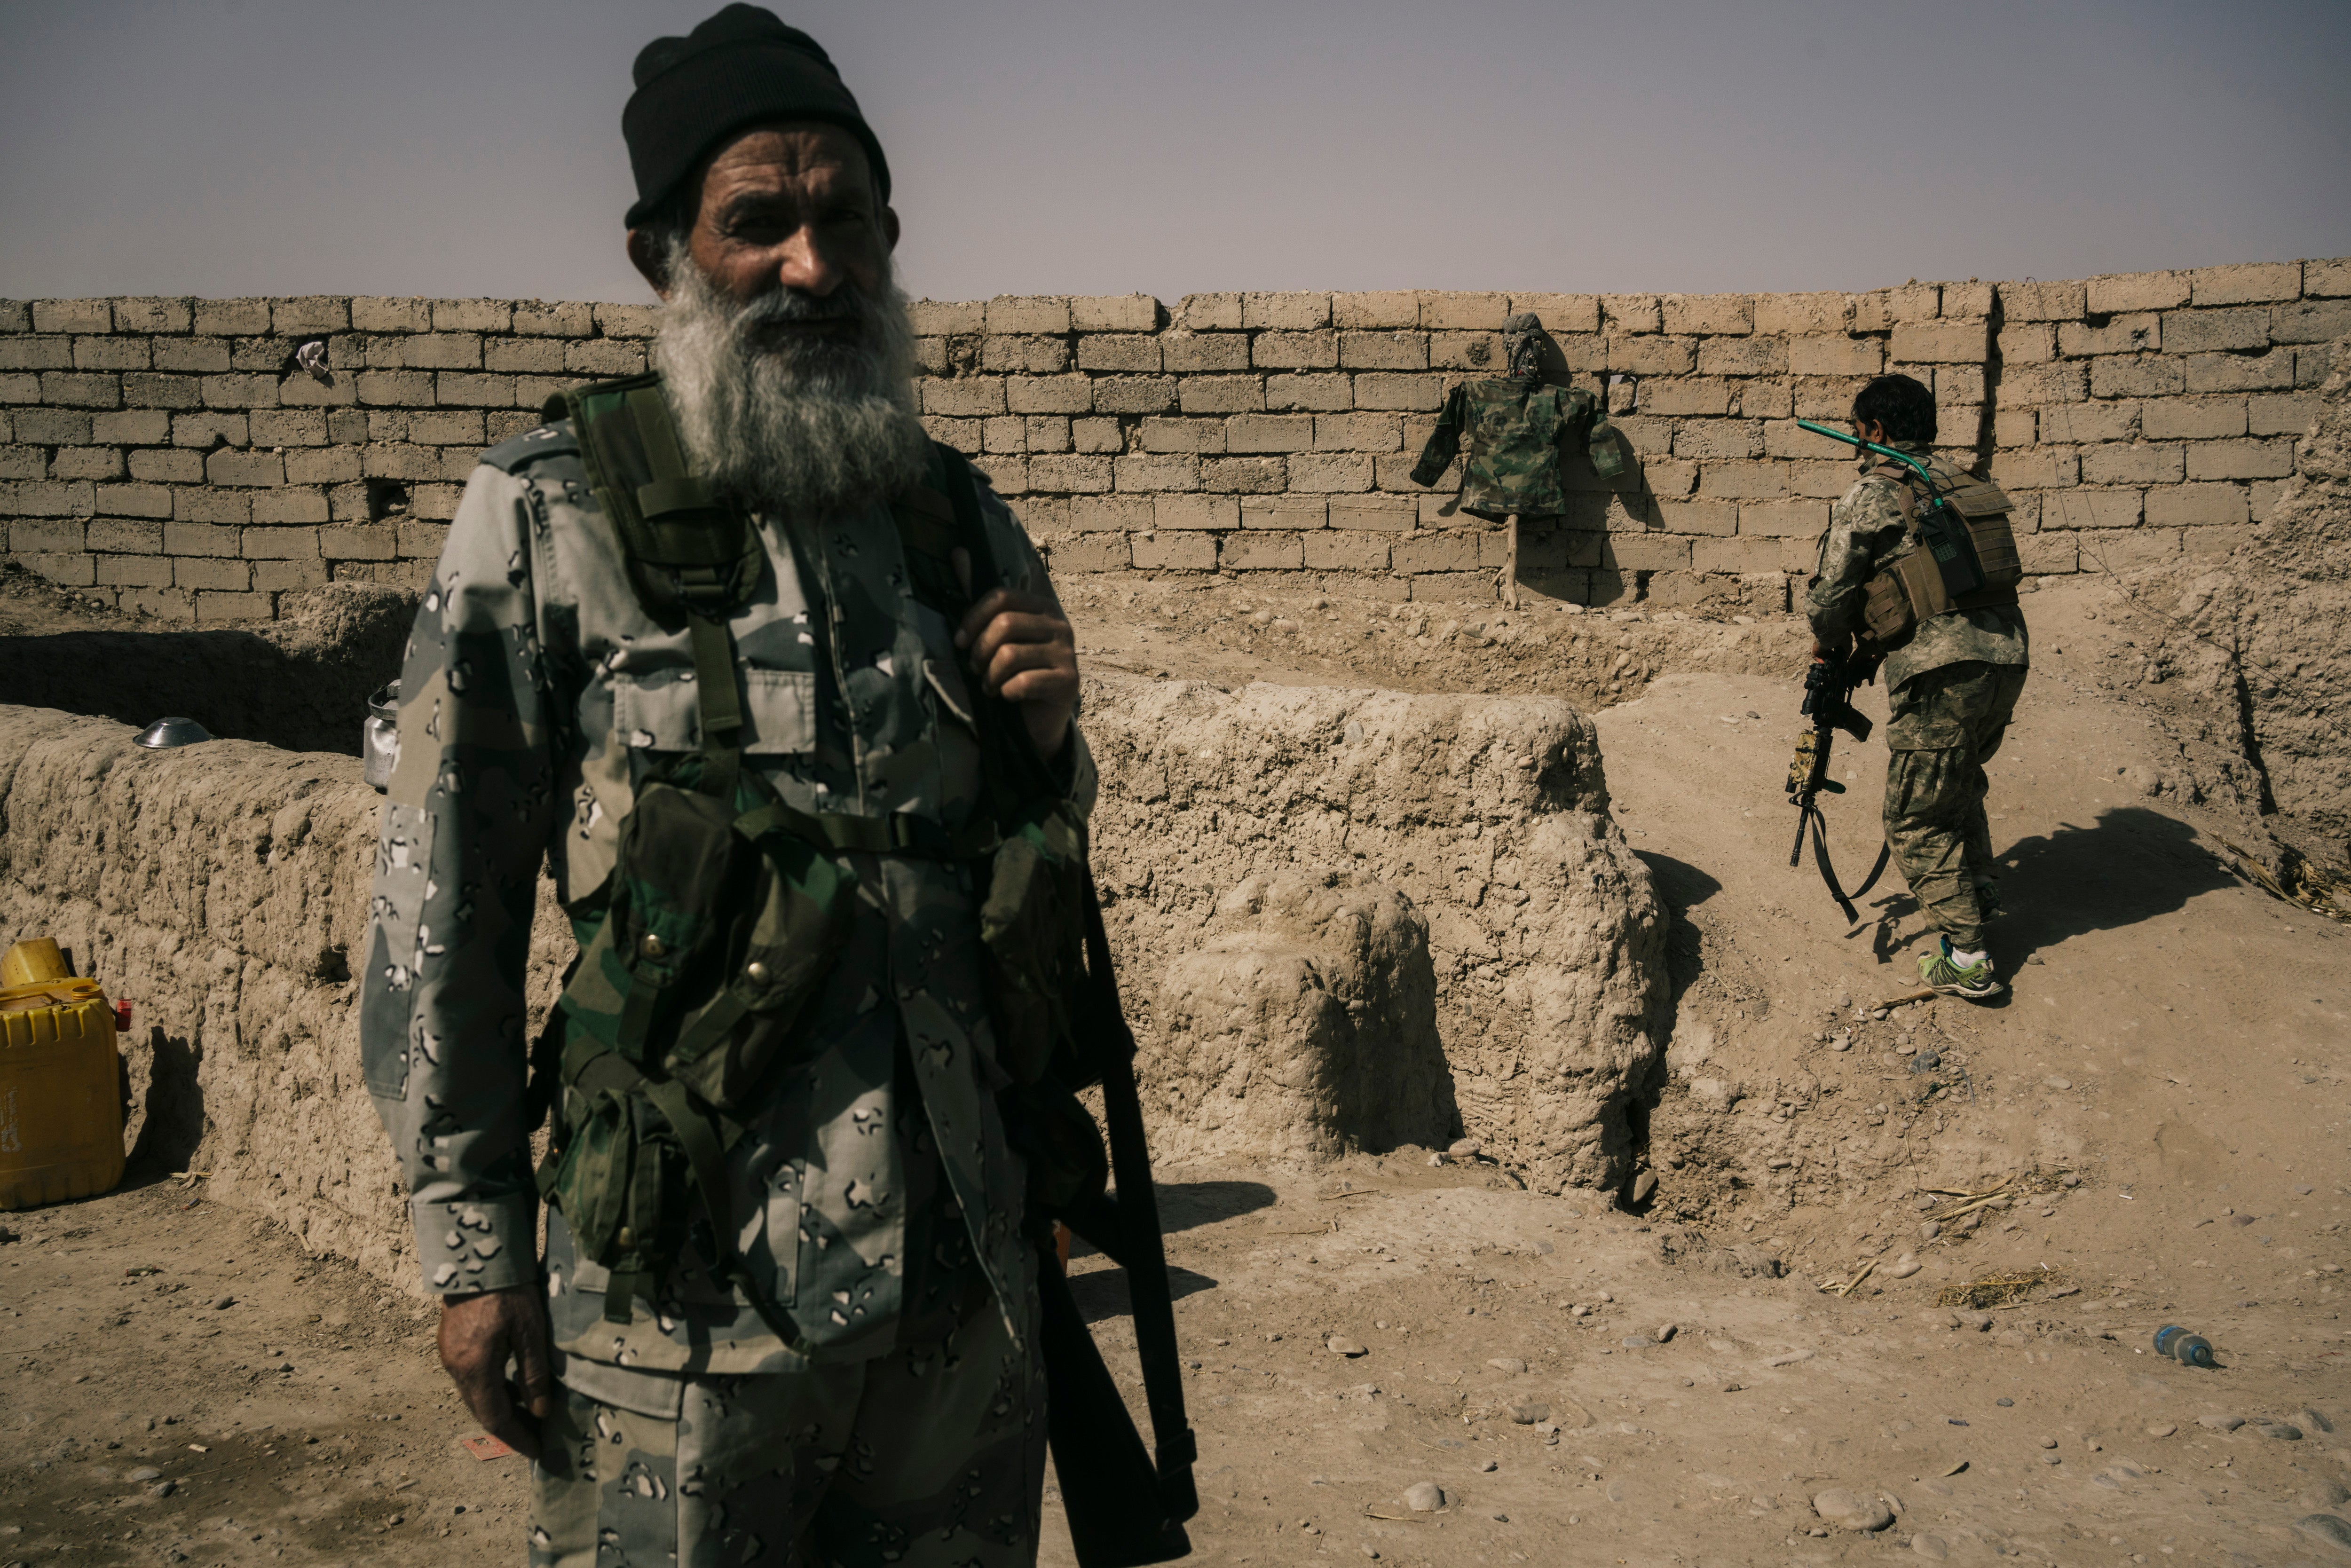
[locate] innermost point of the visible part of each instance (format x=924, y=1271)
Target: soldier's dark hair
x=1902, y=405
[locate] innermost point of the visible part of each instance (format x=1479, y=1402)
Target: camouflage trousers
x=922, y=1457
x=1947, y=723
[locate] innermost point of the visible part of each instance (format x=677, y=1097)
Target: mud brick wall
x=172, y=455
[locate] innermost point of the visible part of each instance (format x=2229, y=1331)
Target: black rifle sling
x=1844, y=900
x=1139, y=1241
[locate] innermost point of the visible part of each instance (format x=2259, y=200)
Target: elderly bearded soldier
x=787, y=1310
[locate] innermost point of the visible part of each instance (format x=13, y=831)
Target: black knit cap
x=740, y=68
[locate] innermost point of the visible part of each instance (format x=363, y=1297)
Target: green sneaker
x=1974, y=981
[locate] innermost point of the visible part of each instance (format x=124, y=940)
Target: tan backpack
x=1963, y=557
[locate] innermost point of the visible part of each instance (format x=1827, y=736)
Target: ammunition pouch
x=1961, y=555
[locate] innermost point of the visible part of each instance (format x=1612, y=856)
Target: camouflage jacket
x=1514, y=425
x=877, y=1184
x=1866, y=534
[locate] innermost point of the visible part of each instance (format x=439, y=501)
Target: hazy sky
x=428, y=147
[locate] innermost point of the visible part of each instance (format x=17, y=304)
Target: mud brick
x=969, y=396
x=1040, y=516
x=422, y=540
x=2212, y=332
x=523, y=356
x=1091, y=552
x=230, y=317
x=1715, y=518
x=2036, y=301
x=1479, y=353
x=1066, y=394
x=2247, y=459
x=1295, y=514
x=2015, y=428
x=2142, y=375
x=2271, y=371
x=288, y=427
x=232, y=468
x=150, y=314
x=133, y=500
x=15, y=316
x=1741, y=481
x=1377, y=514
x=2134, y=463
x=55, y=426
x=1940, y=342
x=543, y=319
x=86, y=463
x=1736, y=554
x=320, y=466
x=1455, y=550
x=2029, y=343
x=1717, y=438
x=2192, y=419
x=628, y=321
x=1269, y=433
x=2246, y=283
x=279, y=576
x=1329, y=472
x=1651, y=356
x=1560, y=313
x=2124, y=292
x=1803, y=314
x=72, y=316
x=1114, y=313
x=1627, y=315
x=1097, y=435
x=2197, y=506
x=369, y=541
x=1835, y=356
x=1710, y=315
x=36, y=353
x=227, y=609
x=2311, y=321
x=1044, y=432
x=1358, y=432
x=24, y=462
x=195, y=356
x=2286, y=413
x=1161, y=434
x=1319, y=394
x=937, y=318
x=1645, y=553
x=1004, y=433
x=1175, y=551
x=1171, y=471
x=2088, y=421
x=2088, y=509
x=1213, y=394
x=1006, y=472
x=1786, y=438
x=1382, y=351
x=376, y=314
x=2037, y=467
x=72, y=389
x=1028, y=314
x=1883, y=309
x=963, y=434
x=128, y=571
x=1262, y=552
x=1129, y=513
x=1118, y=351
x=2310, y=365
x=1204, y=351
x=1329, y=551
x=1399, y=391
x=1784, y=519
x=209, y=506
x=1135, y=394
x=441, y=428
x=603, y=356
x=46, y=536
x=472, y=316
x=1212, y=312
x=276, y=509
x=1033, y=356
x=1295, y=351
x=1245, y=476
x=400, y=460
x=211, y=573
x=397, y=388
x=1822, y=481
x=1388, y=310
x=1070, y=472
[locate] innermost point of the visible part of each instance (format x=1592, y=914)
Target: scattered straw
x=1997, y=1290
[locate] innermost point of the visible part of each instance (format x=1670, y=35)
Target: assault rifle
x=1828, y=703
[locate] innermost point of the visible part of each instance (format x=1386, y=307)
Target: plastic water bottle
x=2190, y=1350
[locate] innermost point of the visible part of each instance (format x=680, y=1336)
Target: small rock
x=1977, y=1320
x=2221, y=1423
x=1464, y=1148
x=1339, y=1344
x=1932, y=1547
x=1487, y=1467
x=1666, y=1332
x=2054, y=1082
x=1509, y=1363
x=1851, y=1509
x=1928, y=1231
x=2161, y=1429
x=2285, y=1432
x=1902, y=1268
x=2004, y=1403
x=1526, y=1413
x=2323, y=1495
x=144, y=1473
x=2313, y=1420
x=225, y=1301
x=1924, y=1201
x=1424, y=1497
x=1436, y=1159
x=1842, y=1043
x=1643, y=1187
x=1606, y=1296
x=1637, y=1342
x=1499, y=1518
x=164, y=1488
x=2328, y=1528
x=2046, y=1442
x=2069, y=1179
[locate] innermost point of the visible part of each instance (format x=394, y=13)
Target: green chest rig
x=726, y=907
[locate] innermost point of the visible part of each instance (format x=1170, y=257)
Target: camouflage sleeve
x=465, y=823
x=1862, y=527
x=1443, y=442
x=1023, y=567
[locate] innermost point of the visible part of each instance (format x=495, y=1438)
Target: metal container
x=379, y=737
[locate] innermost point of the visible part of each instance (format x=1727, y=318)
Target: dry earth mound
x=1489, y=814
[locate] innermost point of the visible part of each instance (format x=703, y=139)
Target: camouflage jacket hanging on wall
x=1866, y=531
x=1514, y=425
x=876, y=1189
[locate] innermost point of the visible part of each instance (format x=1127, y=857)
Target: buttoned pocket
x=662, y=712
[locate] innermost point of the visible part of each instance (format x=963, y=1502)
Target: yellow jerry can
x=61, y=1089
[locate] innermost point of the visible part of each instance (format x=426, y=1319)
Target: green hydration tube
x=1887, y=452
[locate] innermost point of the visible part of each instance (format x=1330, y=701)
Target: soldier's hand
x=1022, y=649
x=478, y=1333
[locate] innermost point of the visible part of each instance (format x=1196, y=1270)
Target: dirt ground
x=2159, y=1108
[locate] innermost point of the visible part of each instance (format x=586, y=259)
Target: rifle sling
x=1844, y=900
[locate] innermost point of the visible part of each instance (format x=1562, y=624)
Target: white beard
x=808, y=425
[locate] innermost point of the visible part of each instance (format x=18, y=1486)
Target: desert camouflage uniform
x=1953, y=687
x=875, y=1192
x=1513, y=424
